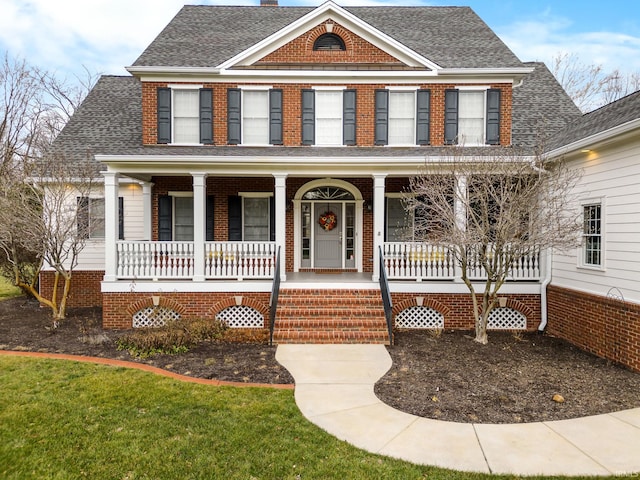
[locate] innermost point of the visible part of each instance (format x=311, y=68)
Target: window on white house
x=183, y=219
x=592, y=234
x=402, y=118
x=186, y=116
x=256, y=219
x=329, y=117
x=471, y=118
x=90, y=217
x=255, y=117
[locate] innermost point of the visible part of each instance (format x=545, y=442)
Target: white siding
x=610, y=174
x=92, y=256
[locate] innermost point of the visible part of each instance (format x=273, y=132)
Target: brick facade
x=85, y=287
x=606, y=327
x=292, y=115
x=457, y=308
x=118, y=308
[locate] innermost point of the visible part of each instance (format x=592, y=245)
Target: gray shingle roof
x=541, y=107
x=604, y=118
x=205, y=36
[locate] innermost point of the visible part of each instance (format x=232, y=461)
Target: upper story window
x=402, y=117
x=254, y=116
x=328, y=116
x=472, y=116
x=329, y=41
x=185, y=115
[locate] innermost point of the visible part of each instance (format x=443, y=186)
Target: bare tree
x=48, y=217
x=491, y=213
x=589, y=85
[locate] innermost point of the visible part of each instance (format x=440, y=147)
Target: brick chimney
x=268, y=3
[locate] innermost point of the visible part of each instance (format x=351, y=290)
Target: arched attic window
x=328, y=41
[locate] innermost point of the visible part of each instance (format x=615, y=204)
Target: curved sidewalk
x=334, y=390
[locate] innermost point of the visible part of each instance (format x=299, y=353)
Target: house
x=254, y=159
x=594, y=296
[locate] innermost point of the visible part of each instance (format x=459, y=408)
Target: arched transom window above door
x=328, y=193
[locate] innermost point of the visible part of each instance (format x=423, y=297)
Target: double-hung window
x=176, y=217
x=399, y=221
x=254, y=116
x=252, y=217
x=328, y=116
x=472, y=116
x=592, y=235
x=185, y=114
x=402, y=116
x=90, y=217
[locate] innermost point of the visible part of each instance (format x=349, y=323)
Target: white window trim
x=91, y=238
x=253, y=88
x=581, y=249
x=315, y=119
x=180, y=194
x=405, y=89
x=174, y=87
x=244, y=195
x=483, y=89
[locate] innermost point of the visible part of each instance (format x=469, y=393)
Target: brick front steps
x=330, y=316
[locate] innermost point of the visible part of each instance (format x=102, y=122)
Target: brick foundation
x=603, y=326
x=85, y=287
x=118, y=308
x=457, y=308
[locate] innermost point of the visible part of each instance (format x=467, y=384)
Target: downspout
x=543, y=292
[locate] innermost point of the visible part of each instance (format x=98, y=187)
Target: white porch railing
x=240, y=260
x=417, y=261
x=176, y=260
x=421, y=261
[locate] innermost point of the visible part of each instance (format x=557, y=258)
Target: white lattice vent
x=505, y=318
x=419, y=317
x=154, y=317
x=241, y=316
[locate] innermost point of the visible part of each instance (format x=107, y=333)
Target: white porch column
x=378, y=222
x=146, y=210
x=461, y=216
x=281, y=224
x=199, y=224
x=110, y=225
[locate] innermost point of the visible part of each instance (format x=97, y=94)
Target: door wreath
x=328, y=220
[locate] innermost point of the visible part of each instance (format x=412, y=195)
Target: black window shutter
x=349, y=117
x=382, y=117
x=165, y=218
x=206, y=116
x=235, y=218
x=210, y=219
x=275, y=117
x=164, y=115
x=308, y=117
x=423, y=117
x=272, y=219
x=234, y=116
x=120, y=218
x=450, y=117
x=493, y=117
x=83, y=216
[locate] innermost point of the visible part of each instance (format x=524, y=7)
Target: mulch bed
x=448, y=376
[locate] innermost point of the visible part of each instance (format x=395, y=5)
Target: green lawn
x=7, y=290
x=67, y=420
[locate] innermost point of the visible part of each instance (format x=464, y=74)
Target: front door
x=328, y=235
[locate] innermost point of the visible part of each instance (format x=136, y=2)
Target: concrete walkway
x=334, y=390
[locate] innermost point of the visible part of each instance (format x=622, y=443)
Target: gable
x=358, y=53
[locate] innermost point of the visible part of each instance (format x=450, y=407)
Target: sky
x=103, y=36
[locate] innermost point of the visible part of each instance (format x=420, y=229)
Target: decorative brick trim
x=246, y=301
x=519, y=307
x=428, y=302
x=147, y=302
